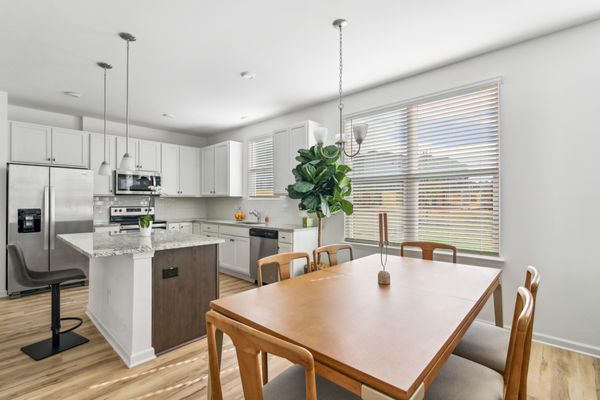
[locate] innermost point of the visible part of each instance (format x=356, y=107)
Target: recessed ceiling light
x=73, y=94
x=243, y=117
x=168, y=115
x=247, y=75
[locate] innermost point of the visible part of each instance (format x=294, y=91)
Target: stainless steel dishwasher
x=263, y=243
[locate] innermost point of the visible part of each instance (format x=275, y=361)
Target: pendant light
x=105, y=168
x=127, y=163
x=359, y=130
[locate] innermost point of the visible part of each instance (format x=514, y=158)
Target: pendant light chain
x=341, y=104
x=127, y=104
x=104, y=114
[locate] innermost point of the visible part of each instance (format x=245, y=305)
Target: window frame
x=249, y=170
x=412, y=211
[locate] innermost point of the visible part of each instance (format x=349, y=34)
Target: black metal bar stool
x=60, y=340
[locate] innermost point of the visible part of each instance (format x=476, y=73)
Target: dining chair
x=295, y=383
x=463, y=379
x=427, y=249
x=283, y=261
x=332, y=251
x=487, y=344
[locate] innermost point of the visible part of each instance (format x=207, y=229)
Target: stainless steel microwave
x=136, y=182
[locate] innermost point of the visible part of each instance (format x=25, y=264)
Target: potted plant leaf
x=145, y=221
x=322, y=184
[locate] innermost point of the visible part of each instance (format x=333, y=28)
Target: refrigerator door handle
x=46, y=215
x=52, y=217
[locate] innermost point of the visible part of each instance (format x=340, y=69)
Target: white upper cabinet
x=148, y=155
x=30, y=143
x=103, y=185
x=170, y=169
x=286, y=143
x=180, y=171
x=222, y=172
x=208, y=170
x=70, y=147
x=222, y=169
x=189, y=171
x=38, y=144
x=145, y=153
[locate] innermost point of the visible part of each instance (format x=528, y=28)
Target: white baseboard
x=129, y=360
x=564, y=344
x=3, y=293
x=570, y=345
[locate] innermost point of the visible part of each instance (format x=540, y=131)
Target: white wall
x=3, y=175
x=550, y=114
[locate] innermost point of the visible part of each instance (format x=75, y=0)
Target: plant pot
x=307, y=222
x=146, y=231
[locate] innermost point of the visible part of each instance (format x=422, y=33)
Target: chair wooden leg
x=219, y=340
x=265, y=368
x=498, y=317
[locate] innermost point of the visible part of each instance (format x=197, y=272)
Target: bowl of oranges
x=239, y=215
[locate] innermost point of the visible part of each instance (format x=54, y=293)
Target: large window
x=260, y=167
x=433, y=166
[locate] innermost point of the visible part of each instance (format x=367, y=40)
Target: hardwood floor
x=94, y=371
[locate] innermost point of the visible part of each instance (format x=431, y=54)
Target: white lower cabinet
x=185, y=227
x=234, y=254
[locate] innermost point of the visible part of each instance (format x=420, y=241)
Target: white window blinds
x=260, y=167
x=433, y=166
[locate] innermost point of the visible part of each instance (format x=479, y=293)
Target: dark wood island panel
x=184, y=282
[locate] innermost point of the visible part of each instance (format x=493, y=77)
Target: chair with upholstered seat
x=296, y=383
x=332, y=251
x=427, y=249
x=60, y=340
x=462, y=379
x=487, y=344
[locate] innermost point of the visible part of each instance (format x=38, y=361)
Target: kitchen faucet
x=257, y=214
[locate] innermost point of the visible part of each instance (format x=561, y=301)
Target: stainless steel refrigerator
x=42, y=203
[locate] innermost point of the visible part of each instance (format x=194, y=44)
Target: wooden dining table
x=379, y=342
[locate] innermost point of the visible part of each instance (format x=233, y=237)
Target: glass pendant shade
x=360, y=132
x=320, y=135
x=127, y=163
x=105, y=169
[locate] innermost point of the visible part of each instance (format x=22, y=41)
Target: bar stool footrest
x=74, y=327
x=43, y=349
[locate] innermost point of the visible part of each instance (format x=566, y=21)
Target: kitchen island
x=148, y=295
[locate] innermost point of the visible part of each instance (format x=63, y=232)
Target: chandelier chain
x=341, y=104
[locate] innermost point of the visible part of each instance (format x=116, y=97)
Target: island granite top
x=106, y=244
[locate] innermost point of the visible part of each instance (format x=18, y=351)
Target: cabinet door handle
x=53, y=159
x=49, y=159
x=232, y=240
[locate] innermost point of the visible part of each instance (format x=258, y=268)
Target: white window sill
x=275, y=198
x=462, y=258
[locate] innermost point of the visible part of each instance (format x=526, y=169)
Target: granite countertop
x=271, y=225
x=115, y=244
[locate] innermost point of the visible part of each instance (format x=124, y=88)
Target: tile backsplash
x=165, y=208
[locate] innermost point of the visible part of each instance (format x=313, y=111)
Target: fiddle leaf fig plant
x=322, y=184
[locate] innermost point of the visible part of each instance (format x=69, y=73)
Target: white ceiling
x=189, y=53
